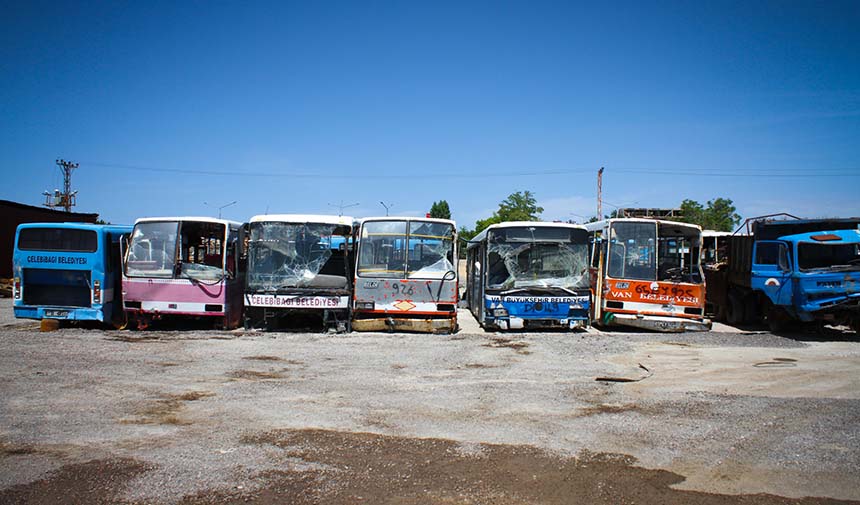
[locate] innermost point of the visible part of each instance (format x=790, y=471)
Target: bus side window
x=231, y=259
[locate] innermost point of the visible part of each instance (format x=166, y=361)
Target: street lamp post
x=341, y=206
x=234, y=202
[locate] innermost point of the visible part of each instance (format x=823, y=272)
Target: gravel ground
x=219, y=417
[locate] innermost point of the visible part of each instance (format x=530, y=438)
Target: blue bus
x=529, y=275
x=68, y=271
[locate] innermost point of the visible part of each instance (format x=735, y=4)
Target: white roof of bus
x=599, y=225
x=714, y=233
x=303, y=218
x=408, y=218
x=187, y=219
x=519, y=224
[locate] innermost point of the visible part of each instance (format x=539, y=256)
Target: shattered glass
x=535, y=257
x=423, y=251
x=201, y=272
x=295, y=255
x=431, y=250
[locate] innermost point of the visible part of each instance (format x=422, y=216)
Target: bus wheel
x=855, y=325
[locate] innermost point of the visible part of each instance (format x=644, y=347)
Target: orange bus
x=647, y=274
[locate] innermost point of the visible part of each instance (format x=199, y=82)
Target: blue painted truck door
x=771, y=271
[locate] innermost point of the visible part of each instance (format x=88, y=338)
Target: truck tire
x=735, y=309
x=776, y=318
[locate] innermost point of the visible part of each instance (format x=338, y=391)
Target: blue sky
x=291, y=107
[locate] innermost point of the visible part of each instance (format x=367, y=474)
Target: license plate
x=56, y=313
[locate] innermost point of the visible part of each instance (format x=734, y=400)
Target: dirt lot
x=90, y=416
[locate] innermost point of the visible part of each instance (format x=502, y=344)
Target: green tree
x=718, y=214
x=519, y=206
x=466, y=234
x=692, y=212
x=721, y=215
x=440, y=210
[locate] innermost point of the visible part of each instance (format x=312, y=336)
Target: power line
x=775, y=173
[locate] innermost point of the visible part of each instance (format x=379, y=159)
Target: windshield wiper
x=843, y=267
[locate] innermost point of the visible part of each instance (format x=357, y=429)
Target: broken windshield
x=537, y=257
x=401, y=249
x=291, y=255
x=431, y=250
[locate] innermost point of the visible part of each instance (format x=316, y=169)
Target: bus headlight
x=364, y=305
x=500, y=312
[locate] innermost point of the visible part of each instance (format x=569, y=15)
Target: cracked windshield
x=400, y=250
x=538, y=257
x=291, y=255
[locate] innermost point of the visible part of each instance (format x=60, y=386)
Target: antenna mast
x=66, y=199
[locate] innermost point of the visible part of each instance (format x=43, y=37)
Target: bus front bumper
x=412, y=324
x=658, y=323
x=519, y=323
x=66, y=313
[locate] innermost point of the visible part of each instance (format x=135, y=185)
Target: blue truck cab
x=816, y=277
x=791, y=270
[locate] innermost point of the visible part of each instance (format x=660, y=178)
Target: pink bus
x=184, y=267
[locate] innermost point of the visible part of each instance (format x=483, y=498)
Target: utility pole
x=66, y=199
x=600, y=194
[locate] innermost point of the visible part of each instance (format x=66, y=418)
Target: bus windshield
x=286, y=255
x=535, y=256
x=406, y=250
x=191, y=249
x=654, y=252
x=152, y=250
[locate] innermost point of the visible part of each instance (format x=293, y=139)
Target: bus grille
x=63, y=288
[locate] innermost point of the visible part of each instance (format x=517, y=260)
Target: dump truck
x=785, y=271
